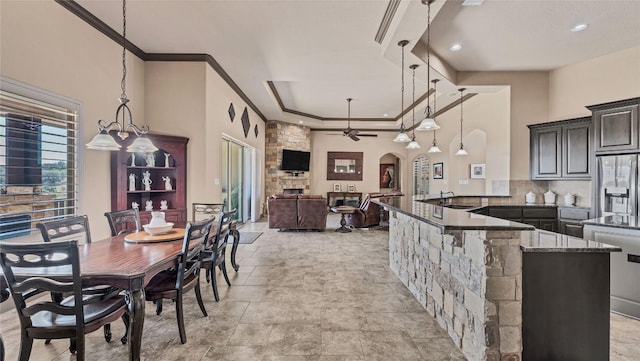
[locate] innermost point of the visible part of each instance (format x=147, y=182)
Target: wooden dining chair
x=214, y=253
x=123, y=222
x=202, y=211
x=71, y=318
x=77, y=228
x=173, y=283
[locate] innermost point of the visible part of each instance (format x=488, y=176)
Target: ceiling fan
x=353, y=133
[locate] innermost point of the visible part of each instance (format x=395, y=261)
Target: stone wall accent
x=469, y=281
x=37, y=206
x=278, y=136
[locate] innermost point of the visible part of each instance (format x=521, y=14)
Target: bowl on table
x=159, y=229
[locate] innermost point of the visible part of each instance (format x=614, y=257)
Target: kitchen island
x=503, y=290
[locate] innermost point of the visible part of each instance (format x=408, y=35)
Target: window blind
x=38, y=163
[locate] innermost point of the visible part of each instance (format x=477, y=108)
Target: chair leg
x=234, y=248
x=223, y=268
x=158, y=307
x=125, y=319
x=73, y=346
x=180, y=317
x=208, y=274
x=107, y=332
x=199, y=299
x=214, y=284
x=80, y=348
x=25, y=347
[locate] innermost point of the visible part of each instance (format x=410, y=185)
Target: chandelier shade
x=429, y=121
x=101, y=141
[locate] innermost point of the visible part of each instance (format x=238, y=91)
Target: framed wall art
x=478, y=170
x=438, y=171
x=387, y=175
x=336, y=187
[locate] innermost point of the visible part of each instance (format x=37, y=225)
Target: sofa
x=368, y=213
x=297, y=211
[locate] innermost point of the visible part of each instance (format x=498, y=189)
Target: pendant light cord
x=413, y=100
x=402, y=92
x=427, y=110
x=461, y=118
x=123, y=82
x=435, y=84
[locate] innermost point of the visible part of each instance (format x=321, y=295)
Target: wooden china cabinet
x=124, y=164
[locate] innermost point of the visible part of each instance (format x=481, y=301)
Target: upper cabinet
x=561, y=149
x=154, y=181
x=616, y=126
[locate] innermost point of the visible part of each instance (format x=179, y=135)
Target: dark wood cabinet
x=546, y=152
x=570, y=220
x=616, y=126
x=124, y=165
x=561, y=149
x=541, y=217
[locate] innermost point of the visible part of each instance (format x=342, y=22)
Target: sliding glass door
x=236, y=178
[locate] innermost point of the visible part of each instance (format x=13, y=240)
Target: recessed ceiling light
x=455, y=47
x=579, y=27
x=472, y=2
x=301, y=122
x=385, y=115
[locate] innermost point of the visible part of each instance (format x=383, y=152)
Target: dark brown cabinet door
x=124, y=165
x=576, y=150
x=573, y=229
x=616, y=128
x=546, y=152
x=547, y=225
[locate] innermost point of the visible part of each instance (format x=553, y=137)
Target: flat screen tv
x=295, y=160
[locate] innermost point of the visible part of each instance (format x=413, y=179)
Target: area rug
x=247, y=237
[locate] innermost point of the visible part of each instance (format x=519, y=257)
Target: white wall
x=45, y=46
x=604, y=79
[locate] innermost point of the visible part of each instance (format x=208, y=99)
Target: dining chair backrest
x=21, y=258
x=218, y=242
x=71, y=228
x=123, y=222
x=202, y=211
x=191, y=256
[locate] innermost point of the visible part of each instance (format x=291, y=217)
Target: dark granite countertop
x=533, y=240
x=617, y=221
x=447, y=219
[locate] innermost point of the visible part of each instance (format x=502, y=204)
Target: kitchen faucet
x=442, y=194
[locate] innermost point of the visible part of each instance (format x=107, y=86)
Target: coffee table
x=343, y=210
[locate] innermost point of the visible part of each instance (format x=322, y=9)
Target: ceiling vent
x=472, y=2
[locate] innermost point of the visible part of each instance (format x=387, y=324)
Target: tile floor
x=305, y=296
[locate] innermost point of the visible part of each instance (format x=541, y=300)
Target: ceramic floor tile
x=341, y=343
x=297, y=297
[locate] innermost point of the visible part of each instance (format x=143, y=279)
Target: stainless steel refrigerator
x=618, y=185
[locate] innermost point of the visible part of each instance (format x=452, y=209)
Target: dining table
x=127, y=263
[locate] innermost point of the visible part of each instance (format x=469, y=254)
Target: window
x=421, y=175
x=38, y=157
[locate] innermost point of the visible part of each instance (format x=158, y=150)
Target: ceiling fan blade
x=367, y=135
x=354, y=137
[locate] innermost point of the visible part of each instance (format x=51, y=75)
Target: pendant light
x=103, y=140
x=461, y=151
x=413, y=144
x=402, y=137
x=434, y=146
x=429, y=122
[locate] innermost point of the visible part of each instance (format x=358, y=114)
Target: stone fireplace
x=279, y=136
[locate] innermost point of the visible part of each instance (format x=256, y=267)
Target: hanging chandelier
x=434, y=146
x=402, y=137
x=461, y=151
x=413, y=144
x=103, y=140
x=429, y=121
